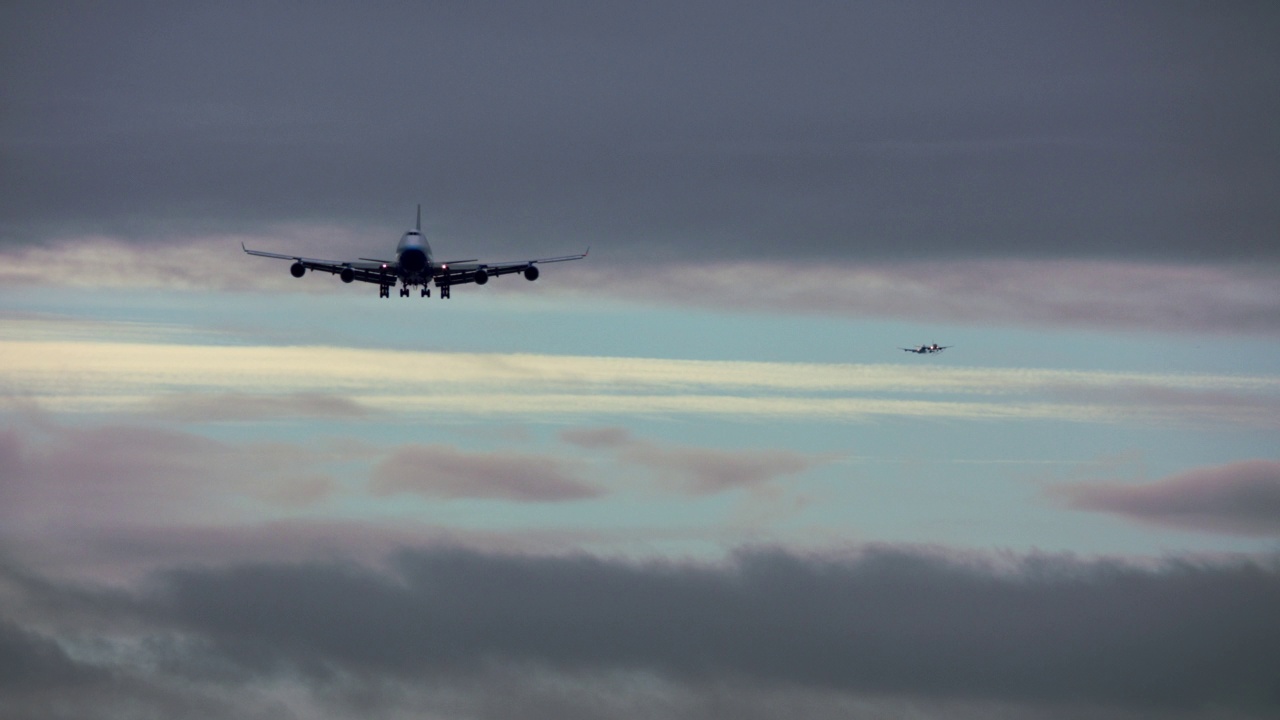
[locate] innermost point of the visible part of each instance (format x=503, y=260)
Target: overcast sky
x=828, y=131
x=693, y=475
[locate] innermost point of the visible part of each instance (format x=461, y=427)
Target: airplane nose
x=413, y=260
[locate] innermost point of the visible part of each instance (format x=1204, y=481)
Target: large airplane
x=413, y=266
x=927, y=349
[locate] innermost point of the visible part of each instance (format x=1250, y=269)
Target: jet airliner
x=414, y=266
x=927, y=349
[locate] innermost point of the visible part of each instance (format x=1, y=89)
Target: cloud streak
x=1099, y=294
x=1095, y=294
x=221, y=383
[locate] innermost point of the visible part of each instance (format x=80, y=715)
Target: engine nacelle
x=482, y=277
x=347, y=275
x=298, y=269
x=531, y=273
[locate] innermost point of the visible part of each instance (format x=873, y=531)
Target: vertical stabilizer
x=418, y=227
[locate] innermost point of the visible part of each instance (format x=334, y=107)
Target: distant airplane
x=927, y=349
x=413, y=266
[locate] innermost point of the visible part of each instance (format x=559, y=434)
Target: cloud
x=1096, y=294
x=1241, y=498
x=596, y=438
x=884, y=626
x=439, y=471
x=32, y=662
x=701, y=471
x=1078, y=293
x=60, y=478
x=239, y=407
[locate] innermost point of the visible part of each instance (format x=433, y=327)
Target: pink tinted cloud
x=126, y=474
x=597, y=438
x=698, y=470
x=1241, y=498
x=707, y=471
x=440, y=471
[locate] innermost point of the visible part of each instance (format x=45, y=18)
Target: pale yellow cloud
x=71, y=374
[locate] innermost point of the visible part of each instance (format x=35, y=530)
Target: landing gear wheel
x=444, y=293
x=404, y=291
x=384, y=291
x=426, y=292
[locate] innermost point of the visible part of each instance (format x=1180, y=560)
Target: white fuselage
x=413, y=255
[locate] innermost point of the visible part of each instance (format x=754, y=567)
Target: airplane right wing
x=479, y=273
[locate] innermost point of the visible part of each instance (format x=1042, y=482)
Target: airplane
x=927, y=349
x=414, y=265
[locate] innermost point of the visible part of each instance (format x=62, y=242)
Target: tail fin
x=418, y=227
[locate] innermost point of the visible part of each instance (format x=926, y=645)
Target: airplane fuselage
x=413, y=258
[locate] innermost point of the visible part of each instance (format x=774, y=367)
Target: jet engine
x=482, y=276
x=298, y=269
x=531, y=273
x=347, y=275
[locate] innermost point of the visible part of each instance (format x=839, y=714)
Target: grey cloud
x=445, y=472
x=1050, y=635
x=696, y=131
x=1109, y=295
x=1239, y=498
x=32, y=662
x=1092, y=294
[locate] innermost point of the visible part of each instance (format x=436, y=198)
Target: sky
x=693, y=475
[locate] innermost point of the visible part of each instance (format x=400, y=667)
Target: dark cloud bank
x=1048, y=635
x=696, y=131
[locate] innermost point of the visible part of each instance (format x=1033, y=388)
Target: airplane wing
x=468, y=271
x=364, y=270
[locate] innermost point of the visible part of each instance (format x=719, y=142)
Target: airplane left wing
x=370, y=271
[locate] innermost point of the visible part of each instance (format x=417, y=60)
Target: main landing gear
x=384, y=291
